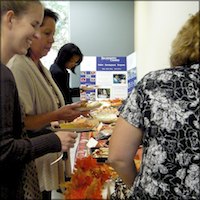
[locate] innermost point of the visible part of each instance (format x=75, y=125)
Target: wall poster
x=115, y=77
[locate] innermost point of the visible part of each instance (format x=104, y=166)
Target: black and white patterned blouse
x=165, y=105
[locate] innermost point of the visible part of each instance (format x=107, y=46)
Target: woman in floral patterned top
x=163, y=114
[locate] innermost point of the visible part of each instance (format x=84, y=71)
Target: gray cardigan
x=39, y=94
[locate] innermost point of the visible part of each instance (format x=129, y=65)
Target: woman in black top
x=69, y=57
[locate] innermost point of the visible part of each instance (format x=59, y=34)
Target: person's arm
x=18, y=151
x=15, y=151
x=123, y=146
x=66, y=113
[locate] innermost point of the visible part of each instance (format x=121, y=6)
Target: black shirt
x=62, y=77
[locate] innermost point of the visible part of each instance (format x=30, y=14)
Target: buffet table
x=91, y=148
x=81, y=152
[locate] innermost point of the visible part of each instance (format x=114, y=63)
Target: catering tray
x=100, y=159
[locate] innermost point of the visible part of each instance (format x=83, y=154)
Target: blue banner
x=111, y=63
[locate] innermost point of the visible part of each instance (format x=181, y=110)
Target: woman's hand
x=69, y=112
x=66, y=113
x=55, y=124
x=67, y=139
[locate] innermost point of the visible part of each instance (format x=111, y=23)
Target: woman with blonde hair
x=185, y=47
x=162, y=113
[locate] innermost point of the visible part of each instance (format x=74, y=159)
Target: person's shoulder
x=16, y=61
x=178, y=70
x=19, y=57
x=55, y=69
x=52, y=66
x=162, y=72
x=156, y=75
x=4, y=69
x=194, y=67
x=168, y=74
x=5, y=73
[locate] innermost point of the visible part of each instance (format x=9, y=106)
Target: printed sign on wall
x=114, y=77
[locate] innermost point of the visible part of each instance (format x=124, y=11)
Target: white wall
x=156, y=25
x=101, y=28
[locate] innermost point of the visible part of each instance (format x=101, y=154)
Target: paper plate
x=89, y=87
x=74, y=129
x=88, y=108
x=106, y=117
x=89, y=125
